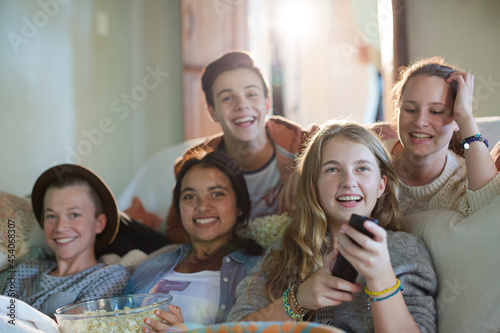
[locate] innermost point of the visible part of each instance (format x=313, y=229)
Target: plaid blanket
x=260, y=327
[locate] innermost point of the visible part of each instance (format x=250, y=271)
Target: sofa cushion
x=149, y=195
x=20, y=232
x=465, y=251
x=495, y=153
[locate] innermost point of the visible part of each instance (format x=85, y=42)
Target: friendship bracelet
x=383, y=298
x=464, y=144
x=388, y=290
x=287, y=308
x=295, y=301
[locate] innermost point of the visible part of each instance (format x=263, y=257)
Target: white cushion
x=26, y=319
x=155, y=180
x=466, y=255
x=489, y=128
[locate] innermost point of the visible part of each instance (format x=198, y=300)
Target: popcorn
x=265, y=230
x=117, y=321
x=132, y=324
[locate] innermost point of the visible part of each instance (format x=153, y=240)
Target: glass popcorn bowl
x=112, y=314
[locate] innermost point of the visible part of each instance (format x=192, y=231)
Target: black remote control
x=342, y=268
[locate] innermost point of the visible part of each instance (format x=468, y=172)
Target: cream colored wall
x=92, y=82
x=67, y=68
x=37, y=102
x=465, y=33
x=326, y=75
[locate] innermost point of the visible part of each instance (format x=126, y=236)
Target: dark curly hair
x=225, y=164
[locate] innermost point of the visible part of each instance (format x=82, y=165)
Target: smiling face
x=70, y=224
x=349, y=181
x=240, y=105
x=208, y=206
x=425, y=119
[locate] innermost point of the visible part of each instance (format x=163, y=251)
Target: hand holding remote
x=342, y=268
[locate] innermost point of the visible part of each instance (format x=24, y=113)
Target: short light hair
x=66, y=181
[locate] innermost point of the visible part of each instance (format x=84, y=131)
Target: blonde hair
x=306, y=240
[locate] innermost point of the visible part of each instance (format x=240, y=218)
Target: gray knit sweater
x=413, y=266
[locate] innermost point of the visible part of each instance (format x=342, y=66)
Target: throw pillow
x=466, y=257
x=19, y=230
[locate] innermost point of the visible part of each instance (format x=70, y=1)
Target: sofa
x=465, y=250
x=148, y=194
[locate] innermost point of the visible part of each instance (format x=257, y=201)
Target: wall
x=331, y=64
x=76, y=82
x=465, y=33
x=91, y=82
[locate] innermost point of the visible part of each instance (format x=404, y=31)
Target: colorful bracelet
x=373, y=300
x=464, y=144
x=287, y=308
x=295, y=301
x=388, y=290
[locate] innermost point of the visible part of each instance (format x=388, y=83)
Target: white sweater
x=448, y=191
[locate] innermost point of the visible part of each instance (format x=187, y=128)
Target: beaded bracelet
x=287, y=308
x=464, y=144
x=295, y=301
x=388, y=290
x=383, y=298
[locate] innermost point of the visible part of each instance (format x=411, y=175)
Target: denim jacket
x=235, y=267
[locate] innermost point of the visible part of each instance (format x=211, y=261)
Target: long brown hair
x=306, y=241
x=435, y=66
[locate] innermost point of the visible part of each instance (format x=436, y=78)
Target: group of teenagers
x=434, y=157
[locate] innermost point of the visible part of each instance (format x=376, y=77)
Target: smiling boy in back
x=264, y=146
